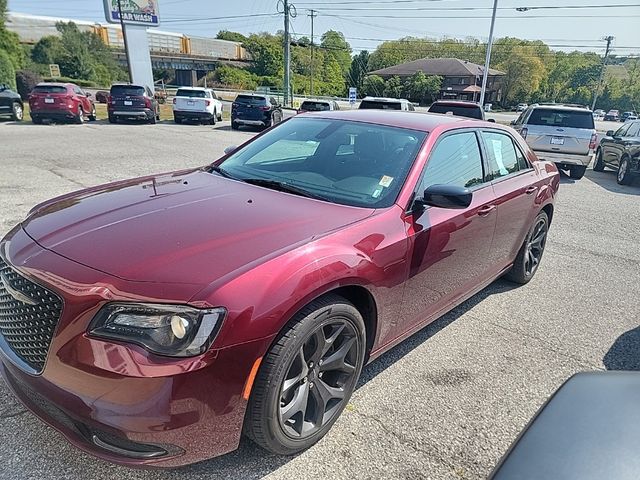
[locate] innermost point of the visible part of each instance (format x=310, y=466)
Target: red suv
x=154, y=320
x=60, y=101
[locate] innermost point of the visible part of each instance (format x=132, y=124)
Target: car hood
x=184, y=227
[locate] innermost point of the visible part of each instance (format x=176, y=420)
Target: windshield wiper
x=283, y=187
x=221, y=171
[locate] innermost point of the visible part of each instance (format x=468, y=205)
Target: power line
x=204, y=19
x=451, y=9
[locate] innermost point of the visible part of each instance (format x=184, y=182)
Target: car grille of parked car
x=29, y=315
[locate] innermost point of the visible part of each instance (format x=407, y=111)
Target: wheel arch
x=548, y=209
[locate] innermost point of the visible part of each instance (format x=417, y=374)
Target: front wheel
x=624, y=174
x=307, y=377
x=530, y=254
x=598, y=163
x=577, y=172
x=17, y=112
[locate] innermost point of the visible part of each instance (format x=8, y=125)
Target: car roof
x=54, y=84
x=316, y=100
x=559, y=106
x=135, y=85
x=456, y=102
x=385, y=99
x=425, y=122
x=194, y=88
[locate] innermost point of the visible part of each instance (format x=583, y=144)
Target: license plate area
x=128, y=103
x=557, y=141
x=191, y=102
x=49, y=100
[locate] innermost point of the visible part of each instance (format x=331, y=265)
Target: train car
x=212, y=47
x=31, y=28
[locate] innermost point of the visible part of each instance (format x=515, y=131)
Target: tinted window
x=315, y=106
x=250, y=100
x=456, y=160
x=49, y=89
x=622, y=131
x=375, y=105
x=504, y=157
x=191, y=93
x=470, y=111
x=562, y=118
x=131, y=90
x=634, y=130
x=352, y=163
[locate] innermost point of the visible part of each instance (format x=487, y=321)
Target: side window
x=77, y=90
x=273, y=101
x=412, y=108
x=622, y=131
x=504, y=157
x=634, y=130
x=520, y=119
x=456, y=160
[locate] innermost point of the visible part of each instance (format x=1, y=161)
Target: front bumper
x=117, y=401
x=565, y=159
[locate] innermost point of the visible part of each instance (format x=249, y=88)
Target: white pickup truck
x=195, y=103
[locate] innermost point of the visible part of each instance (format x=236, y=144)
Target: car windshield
x=562, y=118
x=380, y=105
x=191, y=93
x=130, y=90
x=250, y=100
x=350, y=163
x=470, y=111
x=49, y=89
x=315, y=106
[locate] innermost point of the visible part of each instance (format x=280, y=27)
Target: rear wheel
x=213, y=119
x=36, y=120
x=307, y=377
x=577, y=171
x=530, y=254
x=113, y=119
x=93, y=117
x=153, y=119
x=624, y=174
x=234, y=126
x=598, y=163
x=177, y=119
x=17, y=112
x=80, y=117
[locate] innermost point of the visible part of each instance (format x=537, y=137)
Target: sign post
x=353, y=95
x=54, y=70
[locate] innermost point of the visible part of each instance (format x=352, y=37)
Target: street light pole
x=487, y=61
x=608, y=39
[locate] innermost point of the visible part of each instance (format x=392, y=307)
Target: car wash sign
x=134, y=12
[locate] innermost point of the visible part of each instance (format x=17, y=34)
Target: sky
x=566, y=25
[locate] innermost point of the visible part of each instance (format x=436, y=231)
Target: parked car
x=620, y=150
x=625, y=116
x=318, y=106
x=255, y=110
x=132, y=102
x=459, y=109
x=102, y=96
x=562, y=134
x=521, y=107
x=60, y=101
x=11, y=103
x=152, y=326
x=612, y=116
x=381, y=103
x=585, y=431
x=631, y=117
x=195, y=103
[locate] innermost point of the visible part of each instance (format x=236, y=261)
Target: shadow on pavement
x=624, y=354
x=607, y=180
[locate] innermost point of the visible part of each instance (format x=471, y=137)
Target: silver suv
x=563, y=134
x=381, y=103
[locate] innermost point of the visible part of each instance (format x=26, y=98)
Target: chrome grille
x=29, y=315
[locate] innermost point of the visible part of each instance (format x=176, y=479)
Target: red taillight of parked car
x=207, y=102
x=174, y=101
x=594, y=141
x=265, y=108
x=110, y=100
x=524, y=132
x=147, y=102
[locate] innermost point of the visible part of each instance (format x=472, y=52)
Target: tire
x=80, y=117
x=113, y=119
x=598, y=163
x=234, y=126
x=524, y=267
x=577, y=172
x=212, y=121
x=274, y=417
x=177, y=119
x=220, y=117
x=93, y=117
x=153, y=120
x=624, y=176
x=17, y=112
x=36, y=120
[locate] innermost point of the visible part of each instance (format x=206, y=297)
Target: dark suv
x=459, y=109
x=10, y=103
x=257, y=110
x=132, y=102
x=621, y=150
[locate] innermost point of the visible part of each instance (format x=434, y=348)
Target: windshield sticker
x=497, y=153
x=385, y=181
x=377, y=193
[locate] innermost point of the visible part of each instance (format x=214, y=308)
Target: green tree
x=393, y=87
x=47, y=50
x=335, y=45
x=7, y=72
x=231, y=36
x=524, y=73
x=9, y=41
x=267, y=54
x=358, y=70
x=373, y=85
x=421, y=88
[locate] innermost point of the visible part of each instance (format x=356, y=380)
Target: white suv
x=195, y=103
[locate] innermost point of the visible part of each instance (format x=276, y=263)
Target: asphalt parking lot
x=447, y=402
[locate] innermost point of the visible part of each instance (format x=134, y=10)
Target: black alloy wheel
x=530, y=255
x=624, y=175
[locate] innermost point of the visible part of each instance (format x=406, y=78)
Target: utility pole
x=289, y=12
x=487, y=61
x=608, y=39
x=313, y=14
x=124, y=39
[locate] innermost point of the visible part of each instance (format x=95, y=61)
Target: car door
x=80, y=98
x=6, y=99
x=613, y=149
x=515, y=184
x=449, y=248
x=632, y=144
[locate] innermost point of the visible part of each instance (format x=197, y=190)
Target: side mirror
x=492, y=120
x=447, y=196
x=610, y=133
x=87, y=94
x=513, y=122
x=230, y=149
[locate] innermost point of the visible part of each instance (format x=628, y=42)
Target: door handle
x=531, y=190
x=486, y=210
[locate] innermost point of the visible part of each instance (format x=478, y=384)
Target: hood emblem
x=15, y=293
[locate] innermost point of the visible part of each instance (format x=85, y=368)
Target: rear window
x=250, y=100
x=469, y=111
x=375, y=105
x=131, y=90
x=315, y=106
x=191, y=93
x=561, y=118
x=49, y=89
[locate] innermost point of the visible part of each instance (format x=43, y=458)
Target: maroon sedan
x=154, y=320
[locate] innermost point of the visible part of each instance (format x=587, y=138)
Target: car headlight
x=172, y=330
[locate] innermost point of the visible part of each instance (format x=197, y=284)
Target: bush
x=80, y=83
x=7, y=72
x=25, y=81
